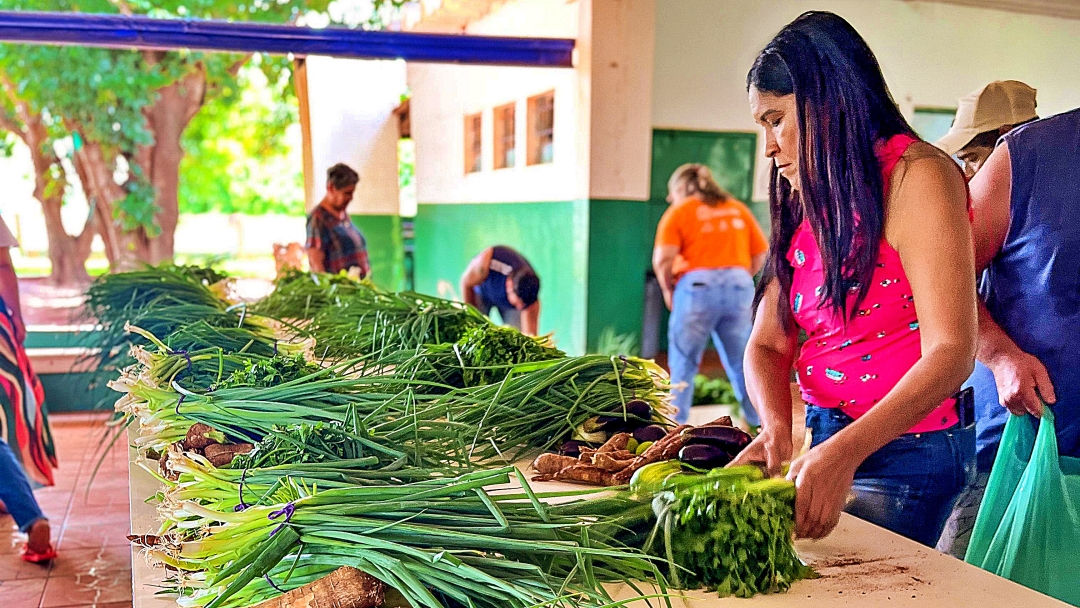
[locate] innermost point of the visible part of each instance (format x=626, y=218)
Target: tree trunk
x=124, y=250
x=67, y=254
x=167, y=118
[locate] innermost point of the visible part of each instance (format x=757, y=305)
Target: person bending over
x=501, y=278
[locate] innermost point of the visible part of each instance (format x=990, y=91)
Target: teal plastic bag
x=1028, y=527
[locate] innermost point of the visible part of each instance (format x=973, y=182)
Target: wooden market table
x=861, y=566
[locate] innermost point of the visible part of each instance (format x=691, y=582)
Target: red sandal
x=40, y=531
x=29, y=555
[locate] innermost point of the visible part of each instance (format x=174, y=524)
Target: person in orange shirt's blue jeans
x=708, y=249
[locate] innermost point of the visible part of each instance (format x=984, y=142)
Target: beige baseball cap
x=998, y=104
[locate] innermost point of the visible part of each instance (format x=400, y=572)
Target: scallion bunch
x=440, y=543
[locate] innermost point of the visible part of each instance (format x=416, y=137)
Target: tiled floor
x=89, y=529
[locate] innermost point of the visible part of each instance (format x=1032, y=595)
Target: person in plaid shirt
x=333, y=242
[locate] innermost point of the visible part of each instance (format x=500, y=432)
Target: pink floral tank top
x=854, y=367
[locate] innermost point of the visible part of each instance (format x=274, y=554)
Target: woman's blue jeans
x=909, y=486
x=15, y=491
x=716, y=304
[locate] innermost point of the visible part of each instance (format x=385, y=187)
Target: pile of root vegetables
x=705, y=447
x=334, y=428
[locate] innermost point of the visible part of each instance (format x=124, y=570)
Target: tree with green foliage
x=242, y=151
x=123, y=114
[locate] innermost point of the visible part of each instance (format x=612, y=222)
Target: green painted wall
x=54, y=339
x=76, y=392
x=620, y=253
x=69, y=392
x=386, y=249
x=553, y=236
x=591, y=255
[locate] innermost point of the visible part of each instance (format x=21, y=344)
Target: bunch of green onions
x=394, y=322
x=539, y=407
x=299, y=295
x=433, y=424
x=250, y=414
x=349, y=319
x=115, y=292
x=439, y=542
x=184, y=304
x=200, y=481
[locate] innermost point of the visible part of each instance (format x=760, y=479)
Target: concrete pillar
x=616, y=53
x=351, y=104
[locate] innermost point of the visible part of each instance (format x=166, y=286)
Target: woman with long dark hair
x=871, y=255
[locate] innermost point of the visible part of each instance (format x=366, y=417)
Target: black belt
x=965, y=407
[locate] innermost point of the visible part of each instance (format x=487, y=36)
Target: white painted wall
x=442, y=95
x=619, y=60
x=352, y=121
x=931, y=54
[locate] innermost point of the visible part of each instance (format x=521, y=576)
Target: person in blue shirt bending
x=501, y=278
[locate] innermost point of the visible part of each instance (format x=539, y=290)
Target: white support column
x=352, y=121
x=620, y=78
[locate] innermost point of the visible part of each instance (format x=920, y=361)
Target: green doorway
x=730, y=156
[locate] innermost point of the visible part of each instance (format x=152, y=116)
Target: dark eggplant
x=639, y=408
x=573, y=448
x=721, y=421
x=727, y=437
x=638, y=412
x=612, y=424
x=652, y=432
x=704, y=456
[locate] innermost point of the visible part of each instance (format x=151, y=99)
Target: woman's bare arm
x=9, y=290
x=767, y=365
x=663, y=259
x=474, y=275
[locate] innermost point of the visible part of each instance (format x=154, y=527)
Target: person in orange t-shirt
x=708, y=249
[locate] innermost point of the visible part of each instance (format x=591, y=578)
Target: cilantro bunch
x=731, y=532
x=488, y=353
x=266, y=373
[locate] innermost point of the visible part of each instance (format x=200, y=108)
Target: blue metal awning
x=140, y=32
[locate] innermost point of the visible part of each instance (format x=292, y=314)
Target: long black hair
x=844, y=109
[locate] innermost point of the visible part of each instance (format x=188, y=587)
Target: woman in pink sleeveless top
x=872, y=257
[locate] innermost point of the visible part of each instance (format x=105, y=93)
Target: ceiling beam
x=1065, y=9
x=140, y=32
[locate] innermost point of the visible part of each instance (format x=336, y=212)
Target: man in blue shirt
x=334, y=244
x=1026, y=235
x=982, y=117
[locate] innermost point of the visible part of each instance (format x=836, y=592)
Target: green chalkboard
x=730, y=155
